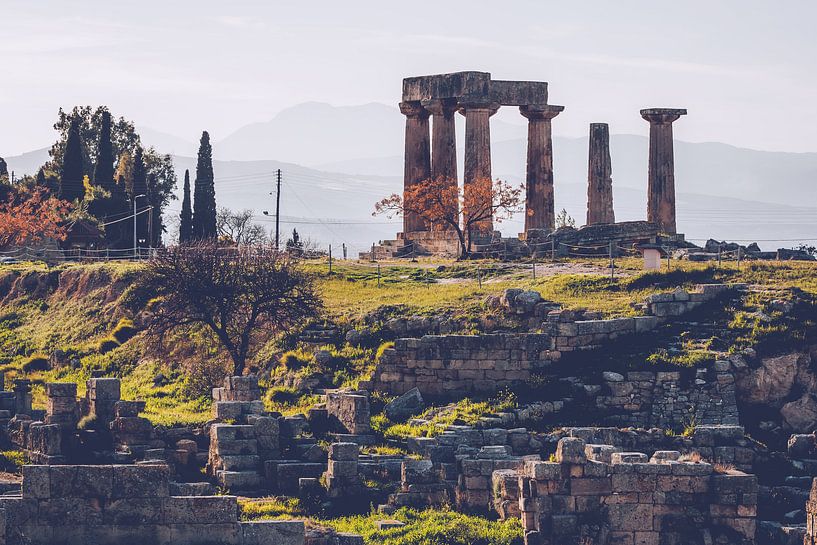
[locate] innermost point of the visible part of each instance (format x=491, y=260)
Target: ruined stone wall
x=665, y=400
x=596, y=496
x=78, y=505
x=811, y=516
x=440, y=365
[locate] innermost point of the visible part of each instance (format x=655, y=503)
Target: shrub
x=107, y=344
x=12, y=460
x=35, y=362
x=124, y=331
x=297, y=359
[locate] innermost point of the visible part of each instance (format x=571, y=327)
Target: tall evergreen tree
x=138, y=194
x=103, y=170
x=4, y=170
x=204, y=193
x=186, y=217
x=71, y=186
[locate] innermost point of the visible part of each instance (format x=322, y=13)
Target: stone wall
x=665, y=400
x=811, y=516
x=78, y=505
x=440, y=365
x=595, y=496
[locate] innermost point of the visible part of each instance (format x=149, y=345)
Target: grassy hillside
x=68, y=322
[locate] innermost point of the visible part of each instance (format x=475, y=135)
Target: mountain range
x=337, y=161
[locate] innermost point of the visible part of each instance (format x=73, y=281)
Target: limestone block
x=142, y=481
x=344, y=451
x=600, y=453
x=81, y=482
x=628, y=458
x=36, y=482
x=191, y=534
x=279, y=532
x=664, y=456
x=571, y=450
x=418, y=472
x=128, y=408
x=106, y=389
x=199, y=509
x=61, y=389
x=133, y=511
x=342, y=469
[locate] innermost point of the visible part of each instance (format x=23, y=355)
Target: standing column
x=477, y=156
x=539, y=205
x=661, y=175
x=599, y=176
x=444, y=145
x=417, y=157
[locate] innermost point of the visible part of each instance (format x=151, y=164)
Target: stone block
x=630, y=517
x=278, y=532
x=128, y=408
x=663, y=456
x=543, y=470
x=204, y=534
x=36, y=482
x=344, y=451
x=595, y=486
x=142, y=481
x=199, y=509
x=81, y=481
x=570, y=450
x=133, y=511
x=106, y=389
x=61, y=389
x=628, y=458
x=342, y=469
x=418, y=472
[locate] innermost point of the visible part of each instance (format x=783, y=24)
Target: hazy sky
x=745, y=69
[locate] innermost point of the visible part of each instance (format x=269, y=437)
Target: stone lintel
x=519, y=93
x=662, y=115
x=541, y=112
x=413, y=109
x=451, y=85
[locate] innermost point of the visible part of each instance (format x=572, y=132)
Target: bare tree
x=238, y=227
x=243, y=295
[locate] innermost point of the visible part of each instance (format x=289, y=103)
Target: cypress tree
x=204, y=193
x=139, y=187
x=71, y=186
x=103, y=171
x=4, y=169
x=186, y=224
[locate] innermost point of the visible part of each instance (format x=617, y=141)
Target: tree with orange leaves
x=29, y=218
x=442, y=204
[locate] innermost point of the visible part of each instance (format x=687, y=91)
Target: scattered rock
x=801, y=415
x=405, y=406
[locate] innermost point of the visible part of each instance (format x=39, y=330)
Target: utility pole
x=277, y=208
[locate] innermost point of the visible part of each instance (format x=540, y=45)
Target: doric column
x=661, y=176
x=443, y=143
x=539, y=207
x=417, y=156
x=599, y=176
x=477, y=150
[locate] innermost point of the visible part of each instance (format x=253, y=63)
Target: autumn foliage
x=29, y=218
x=443, y=205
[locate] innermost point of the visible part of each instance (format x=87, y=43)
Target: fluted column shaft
x=444, y=146
x=477, y=155
x=599, y=176
x=417, y=165
x=661, y=172
x=539, y=203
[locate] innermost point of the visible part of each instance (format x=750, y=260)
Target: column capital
x=440, y=106
x=413, y=109
x=477, y=105
x=662, y=116
x=541, y=112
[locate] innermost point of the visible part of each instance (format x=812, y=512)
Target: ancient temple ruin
x=429, y=104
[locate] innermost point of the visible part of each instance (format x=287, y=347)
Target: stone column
x=443, y=143
x=599, y=176
x=477, y=150
x=417, y=156
x=539, y=206
x=661, y=185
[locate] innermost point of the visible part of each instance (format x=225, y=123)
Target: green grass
x=277, y=507
x=12, y=460
x=439, y=526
